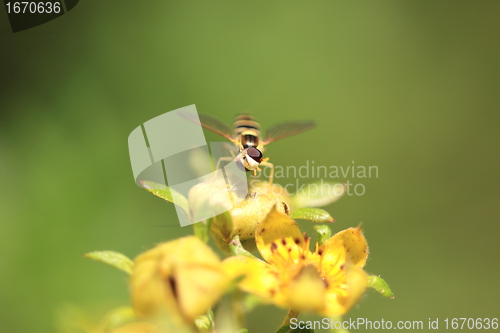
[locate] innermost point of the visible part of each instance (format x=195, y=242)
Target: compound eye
x=255, y=154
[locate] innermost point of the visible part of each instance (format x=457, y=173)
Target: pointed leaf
x=236, y=249
x=112, y=258
x=319, y=194
x=165, y=192
x=202, y=323
x=324, y=232
x=205, y=322
x=312, y=214
x=379, y=284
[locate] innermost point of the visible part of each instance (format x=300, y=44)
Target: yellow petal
x=307, y=291
x=280, y=241
x=150, y=292
x=357, y=282
x=199, y=287
x=183, y=276
x=338, y=303
x=352, y=242
x=260, y=278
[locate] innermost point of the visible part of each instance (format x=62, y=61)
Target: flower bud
x=266, y=188
x=244, y=216
x=209, y=195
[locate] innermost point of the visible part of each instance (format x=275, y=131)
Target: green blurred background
x=410, y=87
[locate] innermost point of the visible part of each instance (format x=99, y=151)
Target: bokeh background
x=410, y=87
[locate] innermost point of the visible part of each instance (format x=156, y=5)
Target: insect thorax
x=249, y=140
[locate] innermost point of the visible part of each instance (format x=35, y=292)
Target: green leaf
x=312, y=214
x=222, y=225
x=284, y=329
x=201, y=229
x=318, y=194
x=165, y=192
x=236, y=249
x=112, y=258
x=205, y=322
x=324, y=232
x=379, y=284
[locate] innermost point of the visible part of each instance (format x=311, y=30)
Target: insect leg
x=227, y=159
x=266, y=163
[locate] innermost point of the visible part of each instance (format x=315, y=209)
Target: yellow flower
x=182, y=278
x=329, y=280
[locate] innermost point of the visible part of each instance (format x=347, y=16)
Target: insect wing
x=287, y=129
x=214, y=125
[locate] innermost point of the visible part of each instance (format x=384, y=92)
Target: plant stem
x=239, y=312
x=291, y=314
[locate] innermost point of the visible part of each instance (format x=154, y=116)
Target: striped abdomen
x=247, y=129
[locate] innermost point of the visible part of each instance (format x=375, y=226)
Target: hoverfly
x=247, y=137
